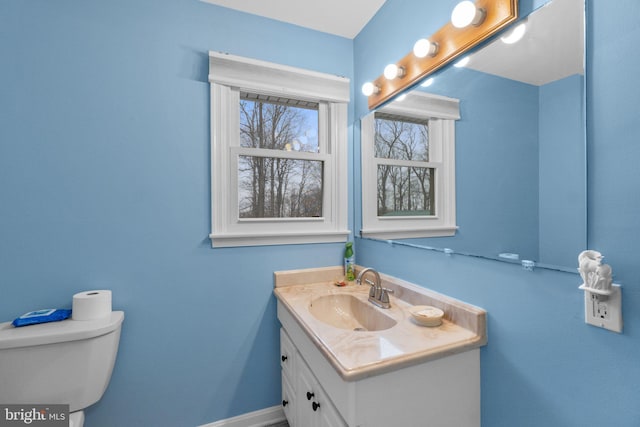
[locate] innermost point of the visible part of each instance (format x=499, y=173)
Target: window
x=278, y=154
x=270, y=185
x=408, y=168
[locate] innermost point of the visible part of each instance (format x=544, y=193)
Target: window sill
x=443, y=231
x=237, y=240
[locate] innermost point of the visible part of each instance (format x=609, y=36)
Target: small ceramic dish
x=427, y=315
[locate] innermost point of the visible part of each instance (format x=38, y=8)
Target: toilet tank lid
x=56, y=332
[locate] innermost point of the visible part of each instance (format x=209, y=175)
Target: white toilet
x=67, y=362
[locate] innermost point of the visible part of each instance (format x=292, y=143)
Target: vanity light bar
x=450, y=43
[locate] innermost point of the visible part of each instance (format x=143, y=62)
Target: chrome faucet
x=378, y=295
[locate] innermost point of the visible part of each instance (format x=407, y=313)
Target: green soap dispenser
x=349, y=263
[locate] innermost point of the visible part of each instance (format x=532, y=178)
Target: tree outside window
x=403, y=190
x=275, y=187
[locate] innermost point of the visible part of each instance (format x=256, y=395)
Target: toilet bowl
x=76, y=419
x=68, y=362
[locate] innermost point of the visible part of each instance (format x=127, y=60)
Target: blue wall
x=104, y=176
x=496, y=164
x=543, y=366
x=104, y=183
x=520, y=167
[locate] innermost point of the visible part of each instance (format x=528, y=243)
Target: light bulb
x=514, y=35
x=424, y=47
x=466, y=13
x=369, y=89
x=392, y=71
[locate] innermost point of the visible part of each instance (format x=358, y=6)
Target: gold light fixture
x=481, y=20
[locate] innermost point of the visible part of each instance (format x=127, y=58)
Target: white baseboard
x=261, y=418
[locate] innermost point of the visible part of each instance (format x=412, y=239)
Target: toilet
x=67, y=362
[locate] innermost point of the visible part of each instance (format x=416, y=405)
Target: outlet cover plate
x=604, y=311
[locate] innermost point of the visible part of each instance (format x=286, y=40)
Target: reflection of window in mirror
x=408, y=168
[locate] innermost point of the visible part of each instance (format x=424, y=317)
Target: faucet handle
x=369, y=282
x=384, y=295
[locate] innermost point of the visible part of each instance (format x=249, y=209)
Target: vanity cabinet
x=444, y=392
x=304, y=401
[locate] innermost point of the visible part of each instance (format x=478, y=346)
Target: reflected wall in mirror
x=520, y=142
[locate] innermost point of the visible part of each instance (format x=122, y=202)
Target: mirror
x=520, y=142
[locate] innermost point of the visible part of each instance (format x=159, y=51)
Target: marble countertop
x=359, y=354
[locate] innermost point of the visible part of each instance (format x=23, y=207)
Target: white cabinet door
x=314, y=406
x=306, y=392
x=289, y=401
x=328, y=415
x=288, y=356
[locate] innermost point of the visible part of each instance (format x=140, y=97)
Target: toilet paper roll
x=91, y=305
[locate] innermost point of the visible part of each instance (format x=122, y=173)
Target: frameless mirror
x=521, y=142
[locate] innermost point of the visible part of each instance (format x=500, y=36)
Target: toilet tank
x=67, y=362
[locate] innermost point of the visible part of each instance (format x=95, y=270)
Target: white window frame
x=228, y=76
x=441, y=113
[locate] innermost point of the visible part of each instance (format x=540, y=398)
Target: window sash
x=432, y=189
x=236, y=151
x=407, y=163
x=412, y=144
x=279, y=154
x=235, y=223
x=323, y=123
x=236, y=183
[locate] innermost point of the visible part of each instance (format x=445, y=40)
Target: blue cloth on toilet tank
x=41, y=316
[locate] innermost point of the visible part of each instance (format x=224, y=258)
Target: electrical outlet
x=604, y=311
x=601, y=310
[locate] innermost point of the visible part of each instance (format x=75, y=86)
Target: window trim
x=441, y=112
x=228, y=76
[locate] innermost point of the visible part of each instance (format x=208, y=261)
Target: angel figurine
x=594, y=274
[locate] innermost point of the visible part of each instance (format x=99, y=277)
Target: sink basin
x=345, y=311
